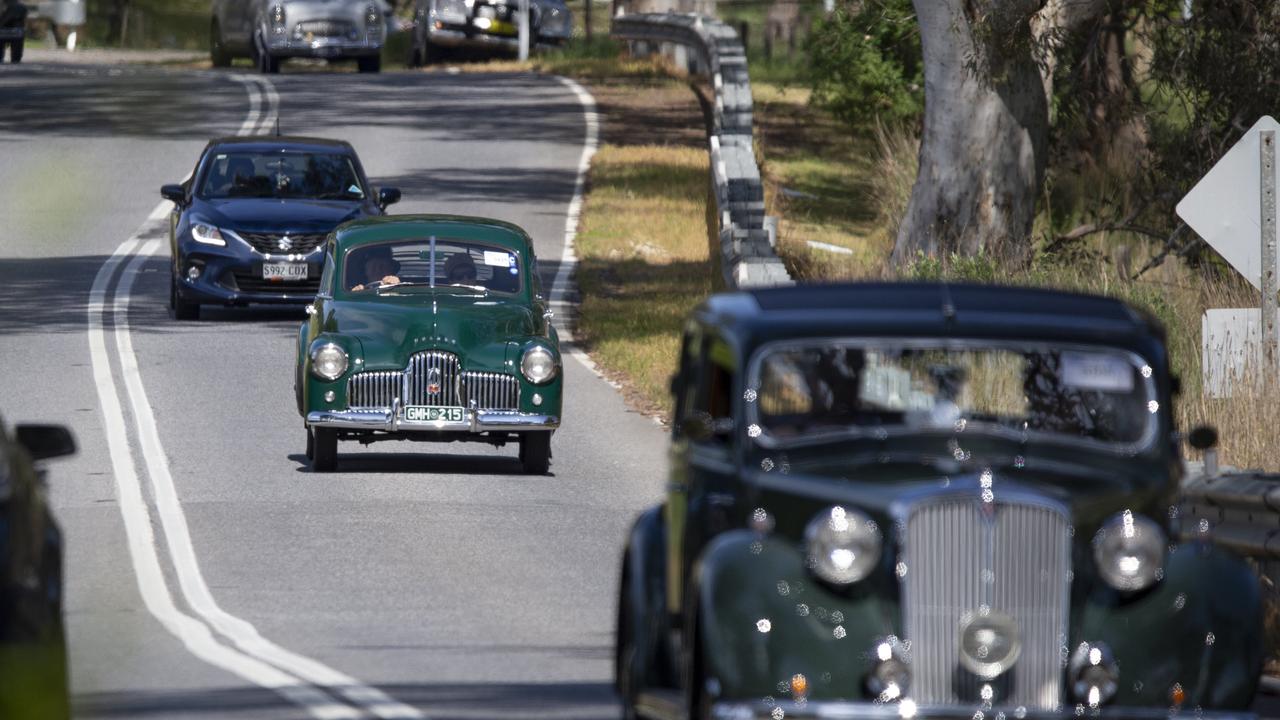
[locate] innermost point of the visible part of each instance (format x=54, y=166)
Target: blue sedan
x=249, y=225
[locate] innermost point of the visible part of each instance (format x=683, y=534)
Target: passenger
x=460, y=270
x=379, y=267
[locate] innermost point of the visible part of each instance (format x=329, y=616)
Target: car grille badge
x=285, y=243
x=433, y=382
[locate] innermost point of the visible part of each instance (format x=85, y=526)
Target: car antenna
x=277, y=125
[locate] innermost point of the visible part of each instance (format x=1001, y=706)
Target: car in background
x=928, y=501
x=250, y=224
x=13, y=32
x=270, y=31
x=33, y=653
x=431, y=328
x=484, y=25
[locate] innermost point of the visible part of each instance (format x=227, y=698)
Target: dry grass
x=644, y=262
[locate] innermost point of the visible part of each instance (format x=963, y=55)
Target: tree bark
x=983, y=152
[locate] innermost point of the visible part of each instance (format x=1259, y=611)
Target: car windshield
x=807, y=392
x=464, y=265
x=316, y=176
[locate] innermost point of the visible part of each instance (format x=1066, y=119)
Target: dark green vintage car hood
x=392, y=327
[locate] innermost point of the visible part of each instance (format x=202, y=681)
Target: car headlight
x=538, y=364
x=844, y=545
x=451, y=11
x=1130, y=550
x=208, y=234
x=328, y=361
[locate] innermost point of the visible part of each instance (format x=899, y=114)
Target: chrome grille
x=374, y=390
x=432, y=379
x=491, y=391
x=1014, y=561
x=276, y=243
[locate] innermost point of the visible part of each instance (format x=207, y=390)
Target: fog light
x=537, y=400
x=193, y=273
x=1094, y=674
x=329, y=396
x=799, y=686
x=891, y=676
x=989, y=644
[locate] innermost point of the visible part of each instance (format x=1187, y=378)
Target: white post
x=1267, y=148
x=524, y=30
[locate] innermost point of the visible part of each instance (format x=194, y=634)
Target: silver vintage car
x=490, y=25
x=269, y=31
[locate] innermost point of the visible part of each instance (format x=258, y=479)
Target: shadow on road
x=442, y=701
x=395, y=463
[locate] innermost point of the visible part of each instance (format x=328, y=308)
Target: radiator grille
x=374, y=390
x=432, y=379
x=284, y=243
x=492, y=391
x=1014, y=561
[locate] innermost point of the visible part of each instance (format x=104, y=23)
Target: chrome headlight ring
x=1129, y=551
x=843, y=545
x=328, y=360
x=538, y=365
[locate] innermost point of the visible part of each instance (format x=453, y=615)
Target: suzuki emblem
x=286, y=243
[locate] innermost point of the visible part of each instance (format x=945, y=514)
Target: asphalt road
x=209, y=575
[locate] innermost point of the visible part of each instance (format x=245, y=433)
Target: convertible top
x=933, y=309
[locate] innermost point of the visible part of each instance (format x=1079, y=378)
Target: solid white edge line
x=182, y=553
x=568, y=259
x=140, y=536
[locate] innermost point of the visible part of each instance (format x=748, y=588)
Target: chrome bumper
x=835, y=710
x=476, y=421
x=323, y=47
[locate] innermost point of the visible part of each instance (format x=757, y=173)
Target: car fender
x=641, y=596
x=764, y=618
x=1201, y=627
x=300, y=366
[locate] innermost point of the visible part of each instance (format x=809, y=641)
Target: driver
x=379, y=269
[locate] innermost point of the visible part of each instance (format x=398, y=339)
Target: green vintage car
x=932, y=501
x=429, y=327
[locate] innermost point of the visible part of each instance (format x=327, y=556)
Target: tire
x=311, y=445
x=370, y=64
x=415, y=59
x=16, y=48
x=218, y=54
x=267, y=65
x=535, y=452
x=182, y=310
x=695, y=675
x=625, y=655
x=324, y=453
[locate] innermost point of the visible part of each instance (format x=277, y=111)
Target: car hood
x=392, y=327
x=275, y=215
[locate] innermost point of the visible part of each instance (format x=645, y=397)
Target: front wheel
x=15, y=50
x=535, y=452
x=370, y=64
x=311, y=445
x=218, y=54
x=182, y=310
x=324, y=450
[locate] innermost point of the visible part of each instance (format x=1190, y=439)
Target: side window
x=326, y=277
x=715, y=396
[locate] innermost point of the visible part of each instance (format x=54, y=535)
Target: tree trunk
x=984, y=147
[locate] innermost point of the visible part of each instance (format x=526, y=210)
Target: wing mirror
x=176, y=193
x=44, y=442
x=388, y=196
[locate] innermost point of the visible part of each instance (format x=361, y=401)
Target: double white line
x=207, y=631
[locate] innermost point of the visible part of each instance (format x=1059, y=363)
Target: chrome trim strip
x=834, y=709
x=478, y=421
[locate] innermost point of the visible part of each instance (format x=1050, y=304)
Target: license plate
x=284, y=271
x=500, y=27
x=432, y=413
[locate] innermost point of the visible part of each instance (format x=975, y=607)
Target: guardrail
x=1237, y=510
x=746, y=238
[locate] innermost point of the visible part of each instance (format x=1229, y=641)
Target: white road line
x=251, y=87
x=564, y=308
x=195, y=635
x=182, y=551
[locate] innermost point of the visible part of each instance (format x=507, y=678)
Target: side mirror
x=176, y=193
x=44, y=442
x=388, y=196
x=1203, y=438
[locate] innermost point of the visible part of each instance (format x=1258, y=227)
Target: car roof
x=401, y=227
x=270, y=143
x=932, y=309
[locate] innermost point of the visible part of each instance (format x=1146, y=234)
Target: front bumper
x=455, y=38
x=835, y=710
x=475, y=421
x=330, y=47
x=233, y=280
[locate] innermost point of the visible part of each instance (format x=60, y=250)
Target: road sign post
x=523, y=10
x=1267, y=175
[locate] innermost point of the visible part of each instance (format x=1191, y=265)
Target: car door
x=700, y=494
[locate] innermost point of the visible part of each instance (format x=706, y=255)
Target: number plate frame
x=434, y=413
x=285, y=271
